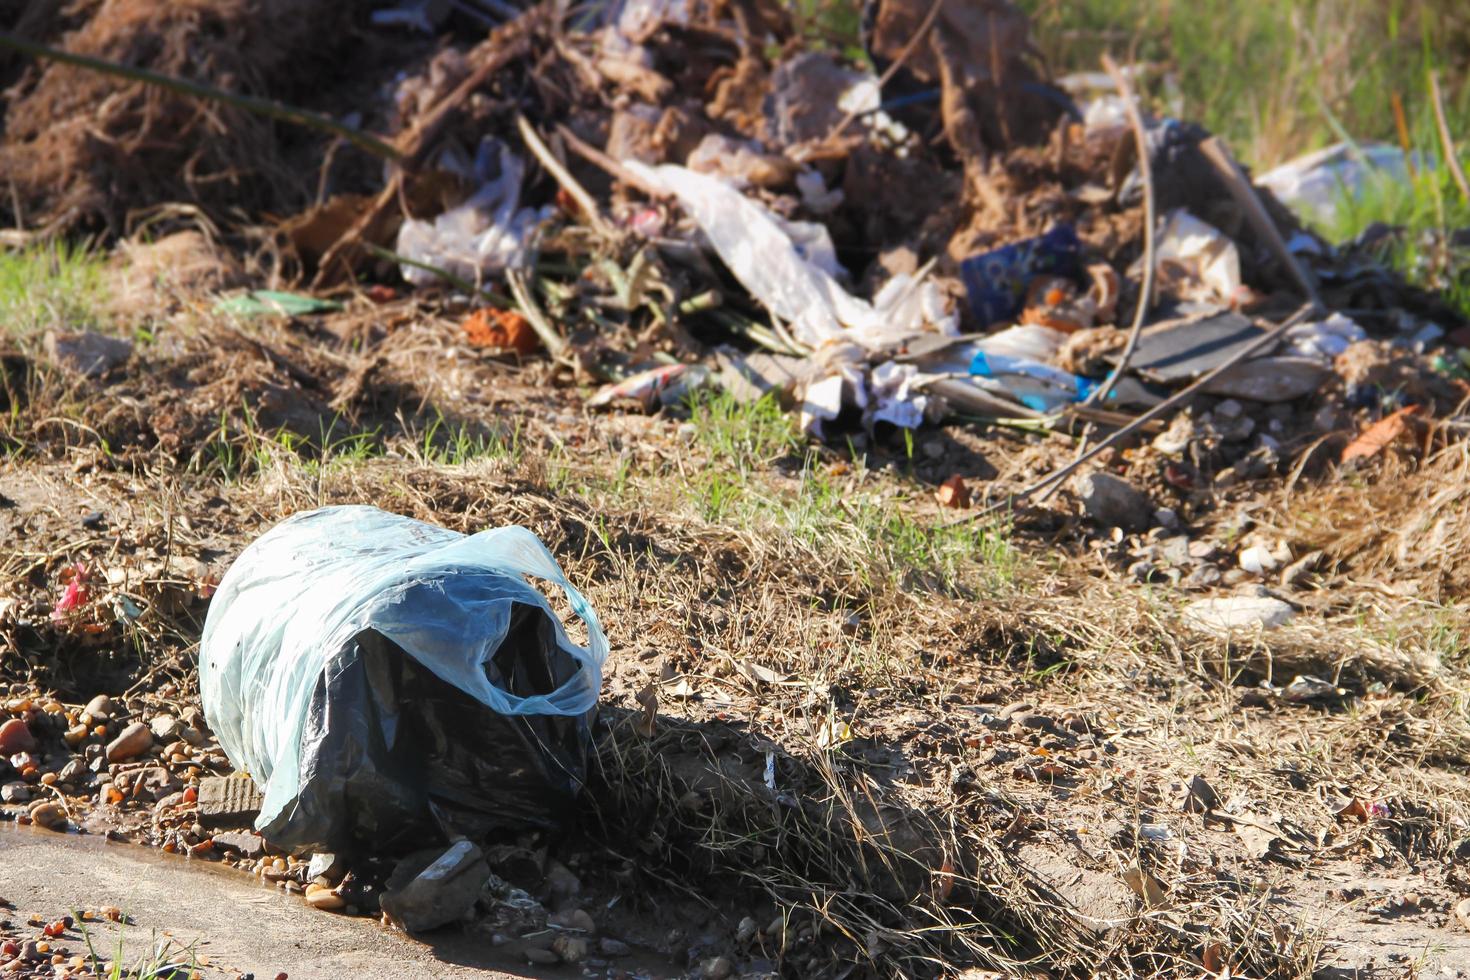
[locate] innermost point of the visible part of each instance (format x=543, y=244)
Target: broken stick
x=1239, y=186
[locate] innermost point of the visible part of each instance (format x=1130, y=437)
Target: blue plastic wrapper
x=996, y=281
x=1037, y=386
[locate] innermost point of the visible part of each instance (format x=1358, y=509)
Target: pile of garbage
x=673, y=194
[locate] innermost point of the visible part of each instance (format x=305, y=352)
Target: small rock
x=132, y=742
x=16, y=792
x=577, y=919
x=1221, y=616
x=165, y=728
x=243, y=843
x=74, y=771
x=1113, y=502
x=324, y=898
x=433, y=888
x=745, y=932
x=1257, y=560
x=88, y=354
x=608, y=946
x=99, y=707
x=716, y=968
x=15, y=736
x=49, y=815
x=543, y=957
x=1462, y=912
x=228, y=801
x=570, y=949
x=562, y=883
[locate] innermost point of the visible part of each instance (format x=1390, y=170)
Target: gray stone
x=75, y=771
x=434, y=888
x=1240, y=612
x=241, y=842
x=228, y=801
x=165, y=727
x=1113, y=502
x=88, y=354
x=15, y=793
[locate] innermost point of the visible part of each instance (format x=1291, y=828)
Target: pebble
x=165, y=727
x=1462, y=912
x=608, y=946
x=99, y=707
x=131, y=743
x=745, y=932
x=716, y=968
x=1240, y=612
x=48, y=815
x=16, y=792
x=570, y=949
x=575, y=919
x=327, y=865
x=545, y=957
x=15, y=736
x=1113, y=502
x=324, y=898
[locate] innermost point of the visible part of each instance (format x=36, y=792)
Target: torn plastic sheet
x=483, y=236
x=1202, y=254
x=1314, y=185
x=761, y=253
x=1323, y=340
x=382, y=678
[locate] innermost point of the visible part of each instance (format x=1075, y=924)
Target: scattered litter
x=487, y=699
x=1197, y=262
x=268, y=302
x=483, y=236
x=501, y=329
x=997, y=281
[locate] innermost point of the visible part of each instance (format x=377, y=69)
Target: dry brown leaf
x=1258, y=841
x=759, y=675
x=945, y=885
x=1155, y=896
x=1376, y=437
x=648, y=698
x=953, y=493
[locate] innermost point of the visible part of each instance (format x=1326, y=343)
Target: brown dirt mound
x=81, y=149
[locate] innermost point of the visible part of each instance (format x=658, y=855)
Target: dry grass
x=821, y=621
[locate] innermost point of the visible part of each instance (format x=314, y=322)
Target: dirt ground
x=855, y=721
x=992, y=745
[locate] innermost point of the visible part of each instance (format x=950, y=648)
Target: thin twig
x=563, y=176
x=198, y=90
x=1445, y=139
x=1182, y=397
x=1239, y=186
x=1146, y=169
x=613, y=168
x=554, y=342
x=925, y=26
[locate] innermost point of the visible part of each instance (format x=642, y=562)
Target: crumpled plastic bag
x=761, y=253
x=381, y=678
x=482, y=237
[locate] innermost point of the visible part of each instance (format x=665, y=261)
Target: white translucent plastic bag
x=296, y=602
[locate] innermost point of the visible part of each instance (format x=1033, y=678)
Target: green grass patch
x=835, y=516
x=56, y=284
x=1271, y=77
